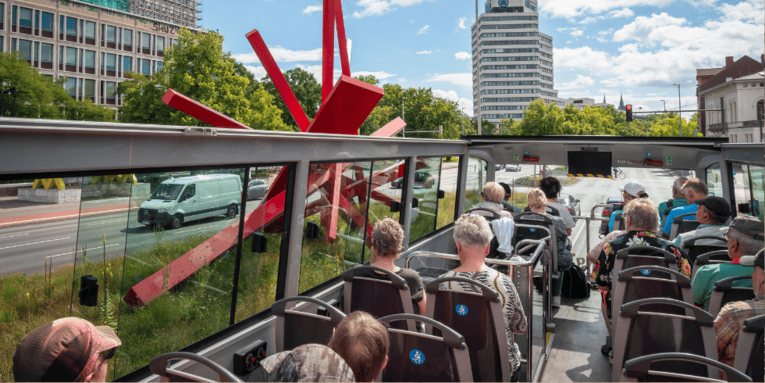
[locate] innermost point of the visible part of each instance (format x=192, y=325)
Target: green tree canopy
x=307, y=91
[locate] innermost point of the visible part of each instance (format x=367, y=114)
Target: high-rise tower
x=512, y=60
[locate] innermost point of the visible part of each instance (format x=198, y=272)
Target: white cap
x=633, y=188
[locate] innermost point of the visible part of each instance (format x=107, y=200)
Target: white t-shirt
x=564, y=214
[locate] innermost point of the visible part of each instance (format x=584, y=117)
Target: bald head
x=677, y=187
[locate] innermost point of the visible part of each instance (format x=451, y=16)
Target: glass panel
x=259, y=271
x=448, y=184
x=110, y=89
x=160, y=64
x=714, y=180
x=2, y=13
x=338, y=228
x=90, y=59
x=426, y=179
x=37, y=19
x=47, y=22
x=111, y=34
x=757, y=179
x=146, y=67
x=71, y=86
x=25, y=47
x=25, y=17
x=14, y=13
x=37, y=51
x=476, y=178
x=386, y=187
x=127, y=64
x=177, y=217
x=61, y=24
x=71, y=26
x=71, y=56
x=60, y=55
x=90, y=88
x=146, y=41
x=90, y=30
x=2, y=43
x=111, y=62
x=127, y=37
x=160, y=44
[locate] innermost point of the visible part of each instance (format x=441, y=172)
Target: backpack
x=575, y=283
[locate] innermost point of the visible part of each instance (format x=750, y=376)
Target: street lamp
x=679, y=109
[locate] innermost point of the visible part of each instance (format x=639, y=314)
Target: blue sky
x=638, y=48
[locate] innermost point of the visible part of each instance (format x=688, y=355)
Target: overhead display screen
x=590, y=163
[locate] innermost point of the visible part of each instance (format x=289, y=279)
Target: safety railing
x=588, y=220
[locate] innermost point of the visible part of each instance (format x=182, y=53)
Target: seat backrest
x=639, y=369
x=644, y=256
x=295, y=328
x=750, y=351
x=158, y=366
x=730, y=290
x=619, y=221
x=680, y=225
x=644, y=333
x=643, y=282
x=418, y=357
x=478, y=317
x=379, y=297
x=702, y=245
x=523, y=232
x=710, y=258
x=549, y=209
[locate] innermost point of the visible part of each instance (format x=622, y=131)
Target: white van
x=185, y=199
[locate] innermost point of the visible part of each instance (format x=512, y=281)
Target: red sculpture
x=345, y=106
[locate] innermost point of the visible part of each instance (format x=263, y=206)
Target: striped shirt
x=705, y=278
x=729, y=322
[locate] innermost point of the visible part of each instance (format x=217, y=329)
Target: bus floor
x=579, y=334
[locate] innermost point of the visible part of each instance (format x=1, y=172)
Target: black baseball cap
x=717, y=205
x=753, y=260
x=505, y=186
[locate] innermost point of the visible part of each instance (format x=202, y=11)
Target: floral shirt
x=602, y=271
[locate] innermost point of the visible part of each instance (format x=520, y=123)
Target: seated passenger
x=551, y=187
x=501, y=220
x=712, y=214
x=693, y=189
x=732, y=316
x=473, y=237
x=629, y=191
x=678, y=199
x=505, y=204
x=65, y=350
x=537, y=203
x=744, y=236
x=641, y=219
x=387, y=237
x=307, y=363
x=363, y=342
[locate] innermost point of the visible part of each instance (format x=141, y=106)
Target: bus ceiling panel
x=753, y=154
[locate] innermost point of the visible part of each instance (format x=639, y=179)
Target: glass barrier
x=757, y=180
x=426, y=185
x=714, y=180
x=335, y=226
x=476, y=178
x=448, y=184
x=748, y=186
x=387, y=186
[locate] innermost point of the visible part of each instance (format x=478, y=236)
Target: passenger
x=307, y=363
x=693, y=189
x=629, y=191
x=505, y=204
x=473, y=237
x=745, y=237
x=732, y=316
x=501, y=220
x=363, y=342
x=712, y=214
x=641, y=219
x=65, y=350
x=551, y=187
x=537, y=203
x=387, y=237
x=678, y=199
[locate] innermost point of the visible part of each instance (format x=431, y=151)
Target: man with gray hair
x=501, y=220
x=693, y=189
x=678, y=200
x=473, y=237
x=744, y=237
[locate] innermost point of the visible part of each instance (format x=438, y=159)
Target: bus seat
x=681, y=225
x=643, y=282
x=479, y=318
x=376, y=296
x=521, y=233
x=418, y=357
x=295, y=328
x=619, y=222
x=158, y=366
x=725, y=292
x=644, y=333
x=644, y=256
x=710, y=258
x=750, y=351
x=638, y=369
x=703, y=244
x=549, y=209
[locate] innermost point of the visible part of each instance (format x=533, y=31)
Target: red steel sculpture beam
x=342, y=42
x=328, y=49
x=201, y=112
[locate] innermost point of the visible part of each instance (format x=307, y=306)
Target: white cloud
x=380, y=75
x=315, y=70
x=402, y=80
x=580, y=58
x=462, y=56
x=464, y=80
x=258, y=71
x=581, y=82
x=577, y=33
x=452, y=96
x=312, y=9
x=461, y=23
x=624, y=12
x=574, y=8
x=423, y=30
x=381, y=7
x=281, y=55
x=425, y=52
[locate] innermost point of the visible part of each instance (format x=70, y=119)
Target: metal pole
x=403, y=114
x=665, y=112
x=463, y=121
x=679, y=109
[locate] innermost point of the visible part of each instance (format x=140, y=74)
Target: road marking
x=61, y=217
x=104, y=222
x=13, y=236
x=190, y=230
x=80, y=251
x=33, y=243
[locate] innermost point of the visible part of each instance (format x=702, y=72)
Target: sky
x=635, y=48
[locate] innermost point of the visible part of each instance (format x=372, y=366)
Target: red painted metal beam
x=328, y=50
x=200, y=111
x=349, y=104
x=342, y=42
x=390, y=129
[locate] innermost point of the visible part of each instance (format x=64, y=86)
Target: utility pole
x=679, y=109
x=403, y=113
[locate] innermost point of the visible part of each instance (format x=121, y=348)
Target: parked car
x=607, y=213
x=421, y=180
x=570, y=203
x=499, y=166
x=257, y=189
x=512, y=168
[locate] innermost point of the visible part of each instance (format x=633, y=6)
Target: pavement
x=14, y=212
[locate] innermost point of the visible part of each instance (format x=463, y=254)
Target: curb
x=66, y=214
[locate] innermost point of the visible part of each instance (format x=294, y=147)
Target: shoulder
x=408, y=273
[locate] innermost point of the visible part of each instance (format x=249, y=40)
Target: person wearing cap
x=629, y=191
x=505, y=202
x=732, y=316
x=744, y=237
x=693, y=189
x=678, y=200
x=307, y=363
x=65, y=350
x=712, y=214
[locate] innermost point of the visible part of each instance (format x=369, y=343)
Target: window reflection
x=448, y=185
x=426, y=186
x=476, y=178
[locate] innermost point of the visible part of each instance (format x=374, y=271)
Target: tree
x=669, y=126
x=197, y=67
x=541, y=120
x=26, y=93
x=306, y=89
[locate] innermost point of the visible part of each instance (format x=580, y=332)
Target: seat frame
x=398, y=282
x=746, y=338
x=721, y=287
x=675, y=228
x=703, y=260
x=639, y=368
x=279, y=309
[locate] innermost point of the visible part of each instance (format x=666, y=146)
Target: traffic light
x=629, y=112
